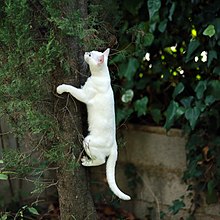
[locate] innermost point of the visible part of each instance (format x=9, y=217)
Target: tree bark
x=74, y=196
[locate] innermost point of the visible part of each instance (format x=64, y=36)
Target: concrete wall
x=160, y=160
x=19, y=189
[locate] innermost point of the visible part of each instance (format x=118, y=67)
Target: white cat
x=98, y=96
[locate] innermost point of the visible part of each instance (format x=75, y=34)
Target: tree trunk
x=74, y=196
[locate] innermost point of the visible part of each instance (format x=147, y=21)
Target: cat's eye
x=90, y=55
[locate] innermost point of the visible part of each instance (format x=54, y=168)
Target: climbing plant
x=169, y=74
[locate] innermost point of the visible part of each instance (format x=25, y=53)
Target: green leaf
x=171, y=114
x=193, y=45
x=4, y=217
x=186, y=102
x=200, y=89
x=3, y=176
x=122, y=69
x=172, y=9
x=216, y=70
x=33, y=211
x=209, y=100
x=180, y=111
x=122, y=114
x=192, y=115
x=1, y=161
x=153, y=23
x=8, y=172
x=176, y=206
x=140, y=106
x=156, y=115
x=178, y=89
x=200, y=105
x=127, y=96
x=214, y=89
x=209, y=31
x=216, y=23
x=148, y=39
x=211, y=56
x=131, y=68
x=153, y=7
x=162, y=26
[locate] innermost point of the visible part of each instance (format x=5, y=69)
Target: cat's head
x=96, y=59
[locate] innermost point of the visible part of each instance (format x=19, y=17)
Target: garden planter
x=158, y=160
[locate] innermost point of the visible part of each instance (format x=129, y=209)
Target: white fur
x=98, y=96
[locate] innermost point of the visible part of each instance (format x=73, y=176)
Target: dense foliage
x=34, y=54
x=165, y=50
x=169, y=71
x=167, y=67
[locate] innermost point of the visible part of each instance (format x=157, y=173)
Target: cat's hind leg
x=96, y=157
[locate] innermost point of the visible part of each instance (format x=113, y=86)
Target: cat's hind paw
x=89, y=162
x=85, y=161
x=84, y=158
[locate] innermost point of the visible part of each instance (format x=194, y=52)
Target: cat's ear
x=101, y=59
x=106, y=52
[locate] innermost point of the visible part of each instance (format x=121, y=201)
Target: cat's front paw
x=61, y=89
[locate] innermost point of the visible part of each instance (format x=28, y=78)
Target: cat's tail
x=110, y=173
